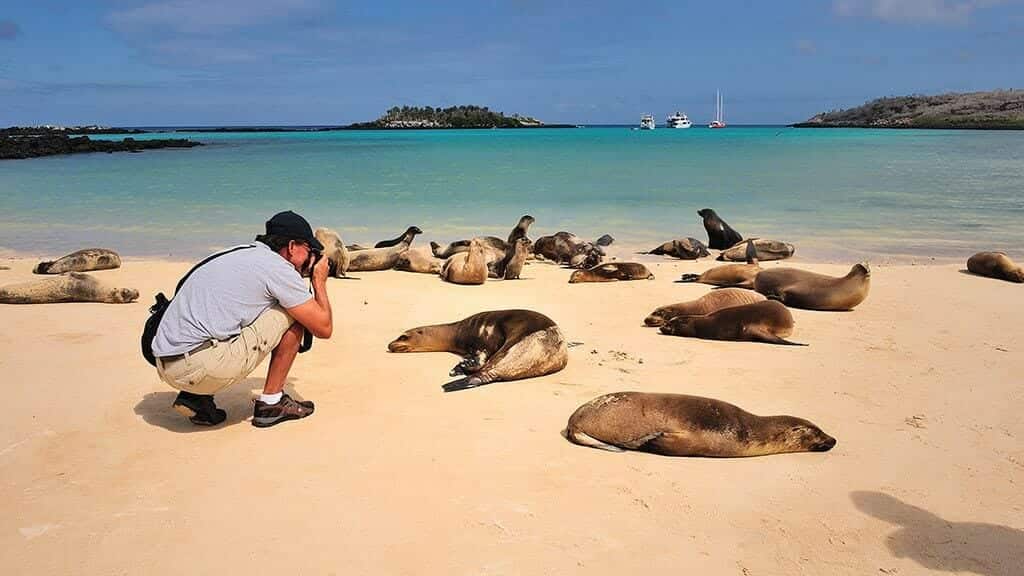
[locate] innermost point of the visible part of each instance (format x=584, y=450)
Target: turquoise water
x=836, y=194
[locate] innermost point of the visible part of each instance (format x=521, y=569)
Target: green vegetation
x=996, y=110
x=453, y=117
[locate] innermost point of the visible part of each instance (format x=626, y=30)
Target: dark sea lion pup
x=408, y=235
x=496, y=346
x=711, y=302
x=682, y=248
x=86, y=260
x=720, y=234
x=738, y=275
x=768, y=321
x=70, y=287
x=515, y=261
x=681, y=425
x=803, y=289
x=995, y=265
x=612, y=272
x=766, y=250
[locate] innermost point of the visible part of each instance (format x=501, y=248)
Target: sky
x=319, y=62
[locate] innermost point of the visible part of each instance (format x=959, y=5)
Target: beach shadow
x=237, y=401
x=938, y=544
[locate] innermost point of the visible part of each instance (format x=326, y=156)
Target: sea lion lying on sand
x=738, y=275
x=720, y=234
x=334, y=250
x=803, y=289
x=768, y=321
x=86, y=260
x=491, y=242
x=766, y=250
x=496, y=346
x=373, y=259
x=568, y=248
x=466, y=267
x=682, y=248
x=420, y=260
x=612, y=272
x=409, y=234
x=995, y=265
x=711, y=302
x=70, y=287
x=681, y=425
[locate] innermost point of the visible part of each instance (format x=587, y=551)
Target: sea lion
x=408, y=235
x=466, y=267
x=711, y=302
x=803, y=289
x=682, y=425
x=86, y=260
x=995, y=265
x=720, y=234
x=767, y=321
x=567, y=248
x=419, y=260
x=738, y=275
x=766, y=250
x=605, y=240
x=70, y=287
x=372, y=259
x=497, y=245
x=356, y=247
x=514, y=266
x=334, y=250
x=682, y=248
x=612, y=272
x=496, y=346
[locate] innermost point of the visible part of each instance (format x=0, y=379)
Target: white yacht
x=678, y=120
x=719, y=121
x=647, y=122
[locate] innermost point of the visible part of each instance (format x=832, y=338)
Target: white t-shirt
x=227, y=294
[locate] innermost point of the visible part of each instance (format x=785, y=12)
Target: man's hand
x=320, y=272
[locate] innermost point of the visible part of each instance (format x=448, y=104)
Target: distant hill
x=996, y=110
x=412, y=117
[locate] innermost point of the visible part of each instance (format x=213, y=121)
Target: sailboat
x=718, y=122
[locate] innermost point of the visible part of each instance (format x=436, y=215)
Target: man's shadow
x=938, y=544
x=237, y=401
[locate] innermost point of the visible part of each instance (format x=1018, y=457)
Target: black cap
x=290, y=225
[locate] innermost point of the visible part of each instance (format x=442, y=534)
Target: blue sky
x=209, y=62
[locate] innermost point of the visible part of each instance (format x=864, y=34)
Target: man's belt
x=199, y=348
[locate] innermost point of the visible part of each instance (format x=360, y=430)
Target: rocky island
x=454, y=117
x=32, y=142
x=995, y=110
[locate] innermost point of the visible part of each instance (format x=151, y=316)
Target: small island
x=18, y=143
x=454, y=117
x=995, y=110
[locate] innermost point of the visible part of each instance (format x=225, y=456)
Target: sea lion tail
x=42, y=267
x=689, y=278
x=751, y=253
x=583, y=439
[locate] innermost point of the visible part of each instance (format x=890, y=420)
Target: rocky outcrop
x=49, y=144
x=997, y=110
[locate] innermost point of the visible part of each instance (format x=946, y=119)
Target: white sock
x=271, y=398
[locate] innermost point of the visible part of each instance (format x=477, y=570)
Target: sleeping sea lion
x=420, y=260
x=803, y=289
x=496, y=346
x=567, y=248
x=466, y=267
x=409, y=234
x=82, y=261
x=514, y=266
x=766, y=250
x=681, y=425
x=720, y=234
x=682, y=248
x=995, y=265
x=711, y=302
x=334, y=250
x=372, y=259
x=497, y=245
x=612, y=272
x=70, y=287
x=767, y=321
x=738, y=275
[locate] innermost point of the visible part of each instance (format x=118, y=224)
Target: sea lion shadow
x=967, y=272
x=237, y=401
x=939, y=544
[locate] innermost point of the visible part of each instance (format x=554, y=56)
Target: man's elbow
x=325, y=333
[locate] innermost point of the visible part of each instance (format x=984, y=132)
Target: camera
x=311, y=261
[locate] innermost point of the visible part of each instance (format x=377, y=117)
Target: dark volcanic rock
x=18, y=147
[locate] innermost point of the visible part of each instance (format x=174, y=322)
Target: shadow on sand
x=938, y=544
x=237, y=401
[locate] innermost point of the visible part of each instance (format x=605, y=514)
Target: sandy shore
x=922, y=385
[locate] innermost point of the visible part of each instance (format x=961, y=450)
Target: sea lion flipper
x=584, y=439
x=689, y=278
x=463, y=384
x=761, y=335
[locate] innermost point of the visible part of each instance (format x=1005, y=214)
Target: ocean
x=837, y=194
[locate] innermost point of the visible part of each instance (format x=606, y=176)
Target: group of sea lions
x=70, y=282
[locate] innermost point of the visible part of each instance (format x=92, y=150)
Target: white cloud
x=202, y=17
x=938, y=11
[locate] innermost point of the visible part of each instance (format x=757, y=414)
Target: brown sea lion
x=568, y=248
x=70, y=287
x=711, y=302
x=334, y=250
x=420, y=260
x=738, y=275
x=466, y=267
x=681, y=425
x=768, y=321
x=496, y=346
x=372, y=259
x=803, y=289
x=720, y=234
x=493, y=243
x=766, y=250
x=682, y=248
x=86, y=260
x=612, y=272
x=408, y=235
x=514, y=266
x=995, y=265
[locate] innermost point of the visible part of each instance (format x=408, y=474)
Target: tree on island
x=451, y=117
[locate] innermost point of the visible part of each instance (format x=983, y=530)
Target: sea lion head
x=798, y=435
x=678, y=326
x=525, y=221
x=587, y=256
x=422, y=339
x=579, y=276
x=414, y=230
x=660, y=316
x=861, y=269
x=123, y=295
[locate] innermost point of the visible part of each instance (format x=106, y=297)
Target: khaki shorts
x=228, y=362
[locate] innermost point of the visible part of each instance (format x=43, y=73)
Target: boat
x=678, y=120
x=718, y=122
x=647, y=122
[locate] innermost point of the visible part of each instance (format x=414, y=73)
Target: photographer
x=236, y=308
